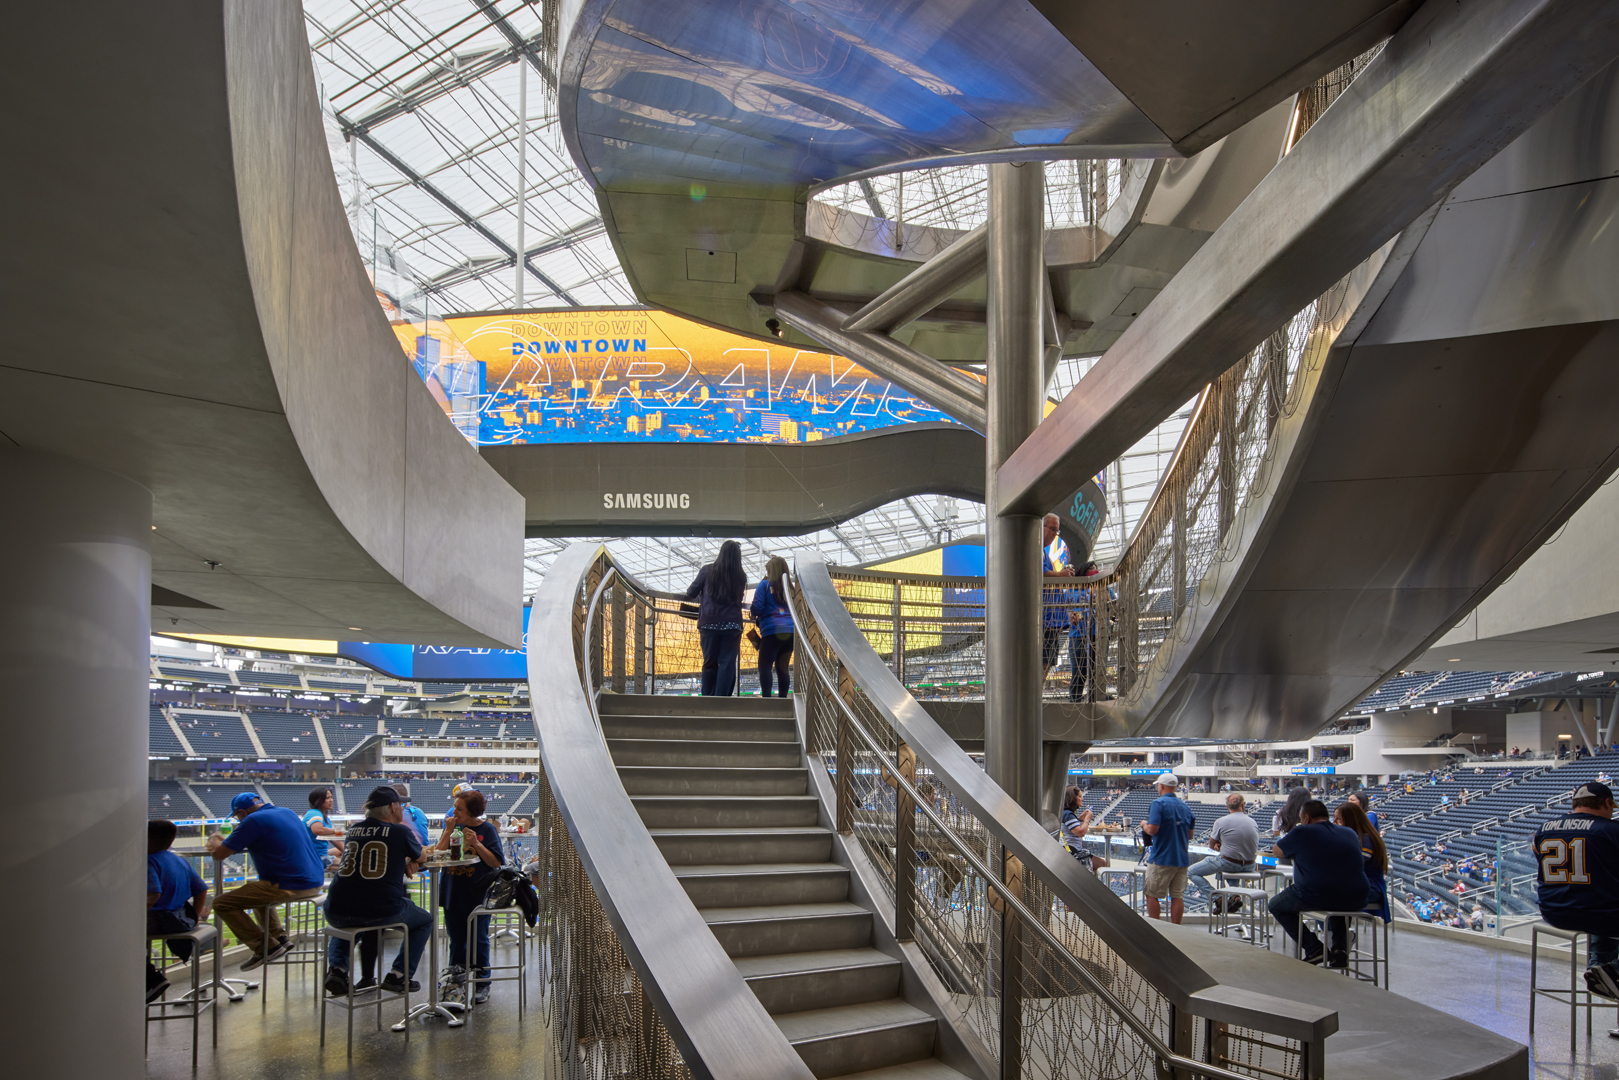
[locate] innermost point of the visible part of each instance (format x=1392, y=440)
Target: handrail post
x=620, y=640
x=899, y=635
x=1011, y=971
x=640, y=646
x=652, y=648
x=845, y=754
x=904, y=847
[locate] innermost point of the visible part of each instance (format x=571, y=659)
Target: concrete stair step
x=725, y=811
x=671, y=705
x=705, y=753
x=926, y=1069
x=871, y=1035
x=798, y=844
x=763, y=884
x=697, y=780
x=796, y=982
x=719, y=728
x=789, y=928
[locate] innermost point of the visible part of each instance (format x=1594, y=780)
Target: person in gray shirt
x=1235, y=840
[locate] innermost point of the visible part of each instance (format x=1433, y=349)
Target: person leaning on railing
x=719, y=586
x=769, y=609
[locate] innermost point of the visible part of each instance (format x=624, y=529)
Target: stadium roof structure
x=425, y=104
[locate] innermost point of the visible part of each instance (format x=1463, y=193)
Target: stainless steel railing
x=1051, y=971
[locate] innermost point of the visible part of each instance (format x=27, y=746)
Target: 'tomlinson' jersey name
x=1578, y=864
x=646, y=500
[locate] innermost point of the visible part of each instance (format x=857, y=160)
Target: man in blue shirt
x=413, y=813
x=1169, y=824
x=369, y=890
x=288, y=860
x=1329, y=874
x=1577, y=857
x=176, y=898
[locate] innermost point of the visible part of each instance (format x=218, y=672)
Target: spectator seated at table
x=1328, y=875
x=319, y=819
x=1577, y=873
x=176, y=898
x=369, y=890
x=464, y=886
x=1235, y=840
x=288, y=859
x=1168, y=827
x=1374, y=856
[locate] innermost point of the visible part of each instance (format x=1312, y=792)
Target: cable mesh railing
x=1078, y=1007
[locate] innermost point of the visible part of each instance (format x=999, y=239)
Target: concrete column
x=1012, y=710
x=75, y=625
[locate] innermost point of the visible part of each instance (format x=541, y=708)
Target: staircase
x=721, y=786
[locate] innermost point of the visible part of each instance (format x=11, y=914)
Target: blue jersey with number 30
x=370, y=881
x=1578, y=856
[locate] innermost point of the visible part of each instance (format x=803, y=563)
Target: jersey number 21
x=1562, y=862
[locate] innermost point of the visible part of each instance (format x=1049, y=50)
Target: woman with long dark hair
x=1376, y=856
x=1288, y=816
x=770, y=611
x=719, y=618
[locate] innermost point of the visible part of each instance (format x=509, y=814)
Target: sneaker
x=1603, y=980
x=337, y=982
x=155, y=991
x=1313, y=957
x=394, y=982
x=481, y=995
x=366, y=983
x=1338, y=959
x=281, y=948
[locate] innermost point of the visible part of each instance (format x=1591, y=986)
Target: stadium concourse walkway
x=1483, y=985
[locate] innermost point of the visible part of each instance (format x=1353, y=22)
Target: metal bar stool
x=1575, y=988
x=1252, y=908
x=373, y=995
x=188, y=1007
x=1136, y=879
x=520, y=969
x=1358, y=955
x=301, y=915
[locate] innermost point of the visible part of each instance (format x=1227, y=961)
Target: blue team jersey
x=1577, y=858
x=283, y=850
x=418, y=820
x=173, y=879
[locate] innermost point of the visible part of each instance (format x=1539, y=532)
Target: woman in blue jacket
x=769, y=609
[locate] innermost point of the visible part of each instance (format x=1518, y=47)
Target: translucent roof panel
x=425, y=106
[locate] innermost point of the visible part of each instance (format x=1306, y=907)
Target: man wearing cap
x=1577, y=858
x=418, y=820
x=1329, y=874
x=1169, y=825
x=369, y=890
x=288, y=859
x=1235, y=840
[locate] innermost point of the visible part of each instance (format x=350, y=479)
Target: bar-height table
x=432, y=1006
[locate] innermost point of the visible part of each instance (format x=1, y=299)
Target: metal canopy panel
x=1200, y=69
x=769, y=93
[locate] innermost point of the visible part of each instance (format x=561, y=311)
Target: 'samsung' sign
x=646, y=500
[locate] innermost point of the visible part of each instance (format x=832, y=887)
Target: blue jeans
x=1218, y=864
x=416, y=919
x=1080, y=651
x=1604, y=950
x=455, y=923
x=169, y=922
x=721, y=652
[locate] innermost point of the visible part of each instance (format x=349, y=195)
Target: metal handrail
x=1156, y=960
x=1166, y=1056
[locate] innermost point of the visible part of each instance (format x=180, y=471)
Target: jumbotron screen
x=641, y=375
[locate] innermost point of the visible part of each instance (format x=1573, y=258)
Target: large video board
x=640, y=375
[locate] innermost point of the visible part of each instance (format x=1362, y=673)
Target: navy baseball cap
x=1593, y=790
x=247, y=800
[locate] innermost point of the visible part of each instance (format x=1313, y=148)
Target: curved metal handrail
x=1152, y=956
x=1167, y=1057
x=714, y=1019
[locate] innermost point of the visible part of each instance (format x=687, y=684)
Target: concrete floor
x=284, y=1042
x=1485, y=986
